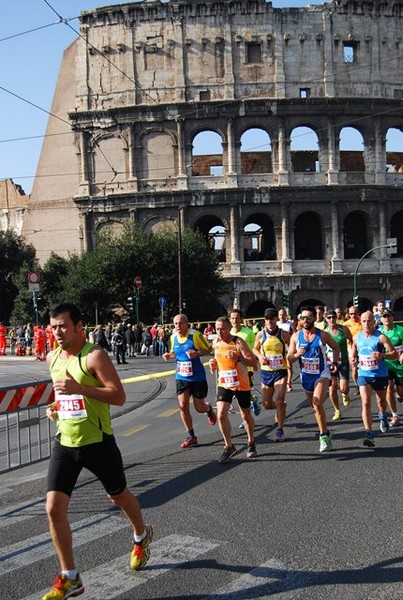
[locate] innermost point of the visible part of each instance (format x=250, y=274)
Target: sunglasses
x=331, y=317
x=306, y=318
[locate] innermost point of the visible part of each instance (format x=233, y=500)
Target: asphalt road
x=291, y=523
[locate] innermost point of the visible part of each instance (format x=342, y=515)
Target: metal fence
x=25, y=437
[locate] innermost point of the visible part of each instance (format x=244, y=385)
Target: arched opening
x=308, y=237
x=351, y=147
x=355, y=235
x=258, y=238
x=364, y=304
x=311, y=302
x=214, y=232
x=398, y=309
x=396, y=231
x=304, y=150
x=207, y=154
x=256, y=154
x=257, y=308
x=394, y=150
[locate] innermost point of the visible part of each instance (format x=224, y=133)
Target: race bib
x=274, y=361
x=311, y=366
x=184, y=368
x=367, y=363
x=399, y=349
x=70, y=406
x=228, y=378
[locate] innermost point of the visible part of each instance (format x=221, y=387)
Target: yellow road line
x=134, y=430
x=152, y=376
x=169, y=412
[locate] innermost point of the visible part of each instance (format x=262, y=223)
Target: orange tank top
x=232, y=374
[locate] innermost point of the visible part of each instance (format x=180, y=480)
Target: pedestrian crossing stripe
x=115, y=577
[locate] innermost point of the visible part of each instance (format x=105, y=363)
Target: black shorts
x=197, y=389
x=225, y=395
x=393, y=376
x=103, y=459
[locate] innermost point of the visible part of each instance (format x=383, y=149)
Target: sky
x=33, y=37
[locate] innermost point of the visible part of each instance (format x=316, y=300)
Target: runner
x=341, y=335
x=369, y=354
x=286, y=324
x=270, y=350
x=308, y=347
x=85, y=384
x=248, y=336
x=354, y=325
x=187, y=346
x=231, y=359
x=395, y=367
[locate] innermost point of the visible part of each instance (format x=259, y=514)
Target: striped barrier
x=21, y=396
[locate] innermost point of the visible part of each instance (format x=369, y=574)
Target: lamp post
x=179, y=260
x=391, y=243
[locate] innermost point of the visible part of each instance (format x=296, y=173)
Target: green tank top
x=81, y=420
x=340, y=339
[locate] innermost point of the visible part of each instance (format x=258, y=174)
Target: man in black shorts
x=187, y=346
x=85, y=383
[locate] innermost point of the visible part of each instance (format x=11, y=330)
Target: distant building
x=145, y=79
x=13, y=204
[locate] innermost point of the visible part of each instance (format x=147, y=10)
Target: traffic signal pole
x=355, y=295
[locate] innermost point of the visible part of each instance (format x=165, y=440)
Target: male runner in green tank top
x=85, y=383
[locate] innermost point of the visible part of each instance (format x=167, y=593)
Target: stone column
x=234, y=240
x=282, y=149
x=384, y=261
x=133, y=183
x=337, y=263
x=182, y=174
x=380, y=155
x=332, y=173
x=231, y=178
x=286, y=262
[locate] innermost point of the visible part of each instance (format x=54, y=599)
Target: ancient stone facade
x=145, y=79
x=13, y=203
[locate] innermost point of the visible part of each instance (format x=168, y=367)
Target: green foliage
x=17, y=259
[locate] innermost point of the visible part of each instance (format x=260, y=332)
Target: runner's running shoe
x=279, y=436
x=141, y=552
x=255, y=408
x=63, y=588
x=251, y=451
x=346, y=399
x=190, y=441
x=383, y=423
x=368, y=440
x=337, y=415
x=289, y=387
x=212, y=417
x=394, y=422
x=325, y=443
x=228, y=453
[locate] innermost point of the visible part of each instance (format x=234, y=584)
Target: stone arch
x=258, y=238
x=256, y=151
x=213, y=230
x=109, y=157
x=351, y=149
x=308, y=237
x=394, y=150
x=355, y=234
x=158, y=148
x=396, y=231
x=256, y=309
x=207, y=153
x=311, y=302
x=112, y=226
x=304, y=149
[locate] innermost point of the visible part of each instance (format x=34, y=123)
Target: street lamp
x=391, y=243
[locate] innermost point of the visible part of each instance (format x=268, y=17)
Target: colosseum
x=269, y=130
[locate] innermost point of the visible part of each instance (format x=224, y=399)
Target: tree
x=17, y=259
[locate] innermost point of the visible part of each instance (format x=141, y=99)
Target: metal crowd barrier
x=25, y=431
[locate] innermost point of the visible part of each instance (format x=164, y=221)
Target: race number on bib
x=274, y=361
x=367, y=363
x=70, y=406
x=228, y=378
x=185, y=368
x=310, y=366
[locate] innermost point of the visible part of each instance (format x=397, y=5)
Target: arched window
x=304, y=150
x=351, y=148
x=256, y=152
x=394, y=150
x=213, y=230
x=207, y=154
x=396, y=231
x=308, y=237
x=355, y=235
x=258, y=238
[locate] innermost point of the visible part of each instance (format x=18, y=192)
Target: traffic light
x=130, y=304
x=286, y=300
x=355, y=300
